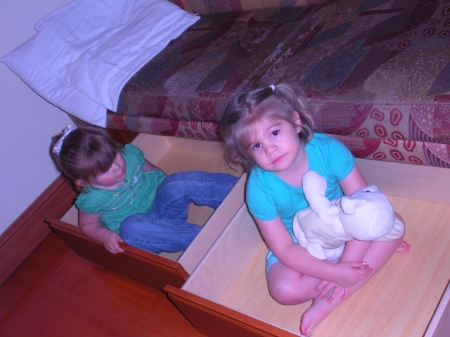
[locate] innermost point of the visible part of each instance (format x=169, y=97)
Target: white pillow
x=85, y=52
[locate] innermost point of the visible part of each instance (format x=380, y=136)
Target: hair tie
x=57, y=147
x=272, y=87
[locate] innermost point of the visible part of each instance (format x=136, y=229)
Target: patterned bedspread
x=376, y=73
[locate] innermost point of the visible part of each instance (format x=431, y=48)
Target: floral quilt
x=376, y=74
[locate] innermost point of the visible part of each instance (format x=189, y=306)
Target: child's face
x=275, y=144
x=114, y=176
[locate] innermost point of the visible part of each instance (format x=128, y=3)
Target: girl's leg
x=166, y=228
x=289, y=287
x=377, y=255
x=181, y=189
x=154, y=234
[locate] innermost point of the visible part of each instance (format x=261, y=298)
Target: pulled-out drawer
x=227, y=293
x=171, y=154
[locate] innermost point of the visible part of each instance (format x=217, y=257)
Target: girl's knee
x=288, y=293
x=280, y=294
x=287, y=296
x=289, y=287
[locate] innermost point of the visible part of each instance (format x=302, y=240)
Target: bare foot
x=403, y=248
x=315, y=314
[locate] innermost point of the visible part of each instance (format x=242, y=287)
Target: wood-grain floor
x=56, y=293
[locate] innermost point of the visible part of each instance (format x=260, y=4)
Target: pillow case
x=85, y=52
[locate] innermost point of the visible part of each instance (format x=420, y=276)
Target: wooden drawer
x=227, y=293
x=440, y=324
x=172, y=155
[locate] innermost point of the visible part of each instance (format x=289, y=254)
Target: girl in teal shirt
x=269, y=132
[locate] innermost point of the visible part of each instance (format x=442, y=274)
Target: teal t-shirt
x=267, y=195
x=135, y=195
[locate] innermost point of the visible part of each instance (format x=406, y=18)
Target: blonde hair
x=274, y=102
x=85, y=153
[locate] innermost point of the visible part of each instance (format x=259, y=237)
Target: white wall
x=27, y=122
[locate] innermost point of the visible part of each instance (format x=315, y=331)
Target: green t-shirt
x=269, y=196
x=135, y=195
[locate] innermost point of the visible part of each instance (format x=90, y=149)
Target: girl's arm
x=354, y=249
x=353, y=182
x=297, y=258
x=91, y=227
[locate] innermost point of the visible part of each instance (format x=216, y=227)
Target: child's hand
x=349, y=273
x=111, y=242
x=324, y=287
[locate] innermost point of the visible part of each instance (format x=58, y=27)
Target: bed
x=376, y=73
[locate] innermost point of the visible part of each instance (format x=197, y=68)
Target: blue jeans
x=166, y=228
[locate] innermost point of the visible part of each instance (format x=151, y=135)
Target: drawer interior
x=399, y=301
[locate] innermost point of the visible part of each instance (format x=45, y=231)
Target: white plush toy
x=326, y=225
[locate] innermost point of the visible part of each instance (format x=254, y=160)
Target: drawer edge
x=212, y=319
x=139, y=265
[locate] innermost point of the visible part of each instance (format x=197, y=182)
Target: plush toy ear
x=349, y=205
x=315, y=187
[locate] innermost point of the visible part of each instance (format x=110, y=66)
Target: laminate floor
x=56, y=293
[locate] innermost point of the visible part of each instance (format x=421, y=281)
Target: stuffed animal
x=326, y=225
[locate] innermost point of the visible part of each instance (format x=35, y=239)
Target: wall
x=27, y=121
